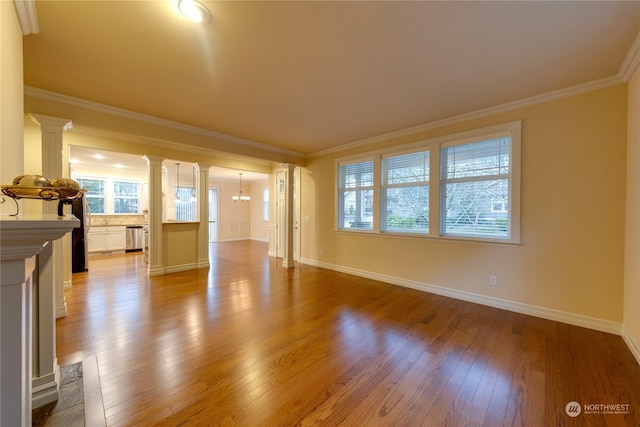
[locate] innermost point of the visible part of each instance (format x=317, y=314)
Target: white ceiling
x=310, y=76
x=101, y=160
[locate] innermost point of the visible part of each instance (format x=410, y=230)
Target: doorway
x=213, y=214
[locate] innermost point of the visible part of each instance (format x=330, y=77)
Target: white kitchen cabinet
x=107, y=239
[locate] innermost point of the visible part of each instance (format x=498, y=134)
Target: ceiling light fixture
x=178, y=183
x=240, y=196
x=194, y=198
x=194, y=10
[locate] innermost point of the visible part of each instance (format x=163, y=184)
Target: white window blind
x=405, y=192
x=475, y=188
x=355, y=195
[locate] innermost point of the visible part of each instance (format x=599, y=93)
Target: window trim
x=434, y=145
x=375, y=189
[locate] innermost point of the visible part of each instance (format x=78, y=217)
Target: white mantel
x=22, y=237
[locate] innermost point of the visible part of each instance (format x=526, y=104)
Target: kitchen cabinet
x=107, y=239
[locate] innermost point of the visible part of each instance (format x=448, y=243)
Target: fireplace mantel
x=22, y=237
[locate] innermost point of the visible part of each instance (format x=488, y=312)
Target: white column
x=287, y=261
x=203, y=215
x=49, y=286
x=23, y=237
x=52, y=129
x=154, y=168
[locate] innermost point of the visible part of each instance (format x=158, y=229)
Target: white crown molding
x=26, y=10
x=517, y=307
x=120, y=112
x=537, y=99
x=631, y=61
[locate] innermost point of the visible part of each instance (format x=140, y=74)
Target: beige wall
x=11, y=99
x=573, y=201
x=233, y=217
x=631, y=322
x=258, y=227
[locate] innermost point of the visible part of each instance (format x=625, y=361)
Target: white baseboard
x=182, y=267
x=68, y=284
x=518, y=307
x=233, y=239
x=631, y=343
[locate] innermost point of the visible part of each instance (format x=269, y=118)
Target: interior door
x=296, y=214
x=280, y=213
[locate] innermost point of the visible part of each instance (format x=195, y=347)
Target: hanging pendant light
x=178, y=183
x=193, y=189
x=240, y=196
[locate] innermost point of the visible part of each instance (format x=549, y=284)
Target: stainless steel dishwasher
x=135, y=238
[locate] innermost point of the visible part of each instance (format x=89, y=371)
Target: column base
x=45, y=389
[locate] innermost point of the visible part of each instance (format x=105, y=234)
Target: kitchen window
x=95, y=194
x=126, y=196
x=108, y=195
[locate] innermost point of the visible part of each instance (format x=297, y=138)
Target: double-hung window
x=475, y=188
x=126, y=195
x=355, y=195
x=405, y=192
x=95, y=194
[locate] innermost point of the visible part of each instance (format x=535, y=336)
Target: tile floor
x=68, y=411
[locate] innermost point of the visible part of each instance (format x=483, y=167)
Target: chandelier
x=240, y=196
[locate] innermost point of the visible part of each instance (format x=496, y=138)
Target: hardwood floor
x=248, y=343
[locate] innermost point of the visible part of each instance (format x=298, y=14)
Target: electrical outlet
x=493, y=280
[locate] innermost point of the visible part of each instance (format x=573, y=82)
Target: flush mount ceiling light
x=194, y=10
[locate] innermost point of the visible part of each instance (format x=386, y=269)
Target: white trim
x=179, y=268
x=631, y=61
x=517, y=307
x=260, y=239
x=132, y=115
x=501, y=108
x=634, y=346
x=26, y=10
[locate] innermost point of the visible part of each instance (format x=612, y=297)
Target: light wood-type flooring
x=248, y=343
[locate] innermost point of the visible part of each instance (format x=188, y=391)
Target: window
x=186, y=204
x=95, y=193
x=474, y=182
x=355, y=196
x=125, y=196
x=405, y=192
x=463, y=186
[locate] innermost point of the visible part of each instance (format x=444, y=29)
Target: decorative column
x=22, y=238
x=287, y=261
x=154, y=168
x=52, y=129
x=49, y=284
x=203, y=215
